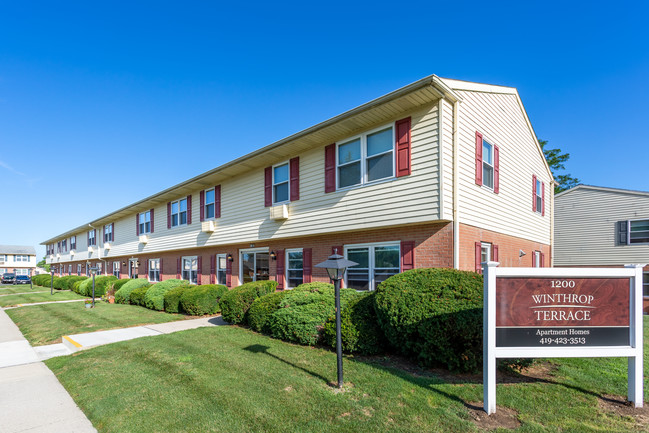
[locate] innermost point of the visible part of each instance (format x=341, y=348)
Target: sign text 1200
x=563, y=284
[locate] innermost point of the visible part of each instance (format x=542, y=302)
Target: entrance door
x=254, y=266
x=221, y=263
x=132, y=268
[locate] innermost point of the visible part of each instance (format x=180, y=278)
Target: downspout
x=456, y=186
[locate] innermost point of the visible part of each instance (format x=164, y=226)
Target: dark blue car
x=22, y=279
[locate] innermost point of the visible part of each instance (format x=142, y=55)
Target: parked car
x=8, y=278
x=22, y=279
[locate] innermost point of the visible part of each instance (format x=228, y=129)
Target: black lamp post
x=30, y=279
x=93, y=271
x=336, y=266
x=15, y=276
x=52, y=282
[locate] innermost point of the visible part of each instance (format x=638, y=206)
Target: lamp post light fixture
x=336, y=265
x=93, y=271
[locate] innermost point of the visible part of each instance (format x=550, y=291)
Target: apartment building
x=439, y=173
x=17, y=259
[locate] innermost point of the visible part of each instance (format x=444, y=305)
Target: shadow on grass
x=260, y=348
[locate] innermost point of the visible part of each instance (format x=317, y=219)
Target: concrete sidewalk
x=31, y=397
x=43, y=303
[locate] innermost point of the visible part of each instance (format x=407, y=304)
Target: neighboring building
x=598, y=226
x=18, y=259
x=440, y=173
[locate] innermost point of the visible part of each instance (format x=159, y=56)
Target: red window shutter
x=213, y=269
x=306, y=265
x=146, y=269
x=403, y=146
x=330, y=168
x=228, y=273
x=534, y=192
x=494, y=253
x=168, y=214
x=542, y=260
x=112, y=232
x=151, y=220
x=478, y=257
x=294, y=167
x=178, y=268
x=217, y=201
x=137, y=224
x=407, y=255
x=496, y=169
x=478, y=158
x=202, y=200
x=189, y=209
x=280, y=269
x=88, y=237
x=268, y=186
x=199, y=265
x=161, y=269
x=542, y=200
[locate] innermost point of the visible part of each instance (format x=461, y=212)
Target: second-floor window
x=367, y=158
x=92, y=240
x=639, y=232
x=539, y=196
x=64, y=245
x=21, y=258
x=73, y=242
x=179, y=212
x=108, y=233
x=145, y=222
x=209, y=203
x=487, y=164
x=280, y=183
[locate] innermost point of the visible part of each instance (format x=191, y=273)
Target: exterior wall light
x=230, y=257
x=273, y=255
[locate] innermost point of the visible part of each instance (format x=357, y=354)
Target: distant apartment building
x=439, y=173
x=18, y=259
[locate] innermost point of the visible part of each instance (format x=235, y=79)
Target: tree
x=556, y=160
x=43, y=265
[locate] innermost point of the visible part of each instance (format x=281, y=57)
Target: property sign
x=566, y=312
x=562, y=312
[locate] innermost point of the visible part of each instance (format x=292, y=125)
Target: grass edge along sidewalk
x=47, y=323
x=230, y=379
x=33, y=297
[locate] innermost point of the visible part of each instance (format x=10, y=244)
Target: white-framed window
x=645, y=284
x=21, y=258
x=145, y=222
x=79, y=269
x=365, y=158
x=132, y=268
x=485, y=251
x=539, y=196
x=209, y=203
x=376, y=263
x=73, y=242
x=100, y=270
x=253, y=265
x=64, y=245
x=154, y=270
x=92, y=240
x=22, y=271
x=116, y=268
x=108, y=233
x=179, y=212
x=638, y=231
x=69, y=269
x=537, y=259
x=190, y=269
x=281, y=183
x=221, y=264
x=487, y=164
x=294, y=268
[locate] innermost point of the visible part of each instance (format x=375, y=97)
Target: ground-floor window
x=221, y=263
x=645, y=283
x=294, y=268
x=69, y=269
x=537, y=259
x=154, y=270
x=79, y=269
x=116, y=269
x=190, y=269
x=22, y=271
x=132, y=268
x=254, y=266
x=376, y=263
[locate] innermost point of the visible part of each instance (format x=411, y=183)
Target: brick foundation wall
x=508, y=248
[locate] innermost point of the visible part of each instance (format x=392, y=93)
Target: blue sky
x=104, y=104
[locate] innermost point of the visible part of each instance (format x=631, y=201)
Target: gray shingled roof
x=17, y=249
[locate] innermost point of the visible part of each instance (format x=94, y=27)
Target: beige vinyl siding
x=586, y=232
x=447, y=160
x=397, y=201
x=499, y=117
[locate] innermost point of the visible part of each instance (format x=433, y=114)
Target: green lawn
x=66, y=295
x=47, y=323
x=22, y=288
x=229, y=379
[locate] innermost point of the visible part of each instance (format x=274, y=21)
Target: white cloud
x=10, y=168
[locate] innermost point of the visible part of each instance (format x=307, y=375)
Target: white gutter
x=456, y=186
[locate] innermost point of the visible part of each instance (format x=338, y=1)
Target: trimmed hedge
x=303, y=311
x=200, y=300
x=315, y=286
x=155, y=296
x=360, y=328
x=261, y=309
x=67, y=283
x=235, y=303
x=137, y=295
x=434, y=315
x=117, y=284
x=76, y=285
x=101, y=284
x=172, y=299
x=123, y=295
x=43, y=280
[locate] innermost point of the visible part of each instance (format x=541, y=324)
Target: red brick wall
x=508, y=248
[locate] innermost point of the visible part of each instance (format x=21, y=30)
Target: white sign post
x=562, y=313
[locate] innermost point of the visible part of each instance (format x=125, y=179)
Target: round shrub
x=117, y=284
x=44, y=280
x=76, y=285
x=262, y=308
x=315, y=286
x=123, y=295
x=434, y=315
x=155, y=296
x=360, y=330
x=85, y=287
x=71, y=280
x=235, y=304
x=101, y=284
x=137, y=295
x=172, y=299
x=200, y=300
